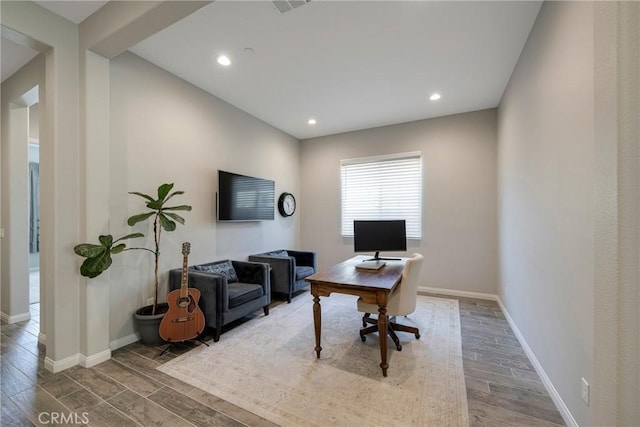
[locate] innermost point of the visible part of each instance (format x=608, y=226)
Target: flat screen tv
x=244, y=198
x=379, y=235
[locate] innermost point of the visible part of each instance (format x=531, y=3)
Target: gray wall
x=546, y=214
x=163, y=129
x=459, y=231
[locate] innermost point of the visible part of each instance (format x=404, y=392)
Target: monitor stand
x=376, y=257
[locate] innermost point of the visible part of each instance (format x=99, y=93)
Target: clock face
x=287, y=204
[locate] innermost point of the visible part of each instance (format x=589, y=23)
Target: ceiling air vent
x=287, y=5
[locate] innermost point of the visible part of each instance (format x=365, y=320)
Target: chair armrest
x=305, y=258
x=253, y=272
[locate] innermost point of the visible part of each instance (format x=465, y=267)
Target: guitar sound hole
x=183, y=302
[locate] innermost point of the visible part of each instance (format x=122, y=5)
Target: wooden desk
x=373, y=287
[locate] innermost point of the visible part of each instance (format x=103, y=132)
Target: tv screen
x=379, y=235
x=244, y=198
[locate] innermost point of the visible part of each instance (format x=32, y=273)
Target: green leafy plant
x=98, y=257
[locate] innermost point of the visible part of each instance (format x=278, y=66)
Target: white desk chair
x=401, y=303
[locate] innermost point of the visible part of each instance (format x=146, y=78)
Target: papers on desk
x=370, y=265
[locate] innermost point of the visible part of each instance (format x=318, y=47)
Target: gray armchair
x=228, y=289
x=289, y=268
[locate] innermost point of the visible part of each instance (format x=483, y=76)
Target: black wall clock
x=286, y=204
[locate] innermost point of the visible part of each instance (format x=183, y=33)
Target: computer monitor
x=379, y=235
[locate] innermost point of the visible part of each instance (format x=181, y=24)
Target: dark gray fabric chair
x=289, y=268
x=228, y=289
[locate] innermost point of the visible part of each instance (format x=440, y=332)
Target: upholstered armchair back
x=289, y=268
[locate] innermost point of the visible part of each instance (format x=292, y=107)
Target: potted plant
x=98, y=257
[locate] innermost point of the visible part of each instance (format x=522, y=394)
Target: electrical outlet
x=149, y=301
x=585, y=391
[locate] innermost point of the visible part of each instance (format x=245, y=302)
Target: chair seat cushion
x=304, y=271
x=240, y=293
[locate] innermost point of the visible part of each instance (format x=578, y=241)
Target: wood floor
x=503, y=388
x=502, y=385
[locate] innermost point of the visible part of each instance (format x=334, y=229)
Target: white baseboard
x=555, y=396
x=15, y=318
x=456, y=293
x=87, y=361
x=60, y=365
x=124, y=341
x=42, y=339
x=93, y=360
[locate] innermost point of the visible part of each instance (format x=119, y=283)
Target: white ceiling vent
x=287, y=5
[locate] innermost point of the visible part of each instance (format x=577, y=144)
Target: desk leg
x=382, y=332
x=317, y=323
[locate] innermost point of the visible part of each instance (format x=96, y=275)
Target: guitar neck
x=184, y=284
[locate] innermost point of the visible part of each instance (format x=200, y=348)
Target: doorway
x=34, y=209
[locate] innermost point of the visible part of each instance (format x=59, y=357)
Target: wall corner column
x=94, y=196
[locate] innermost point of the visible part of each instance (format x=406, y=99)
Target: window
x=383, y=187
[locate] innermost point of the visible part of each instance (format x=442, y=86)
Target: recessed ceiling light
x=224, y=60
x=434, y=97
x=312, y=121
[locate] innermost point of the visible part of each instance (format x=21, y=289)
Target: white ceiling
x=349, y=64
x=74, y=11
x=15, y=56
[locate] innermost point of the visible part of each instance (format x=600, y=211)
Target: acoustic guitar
x=184, y=320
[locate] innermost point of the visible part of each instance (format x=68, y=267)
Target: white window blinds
x=383, y=187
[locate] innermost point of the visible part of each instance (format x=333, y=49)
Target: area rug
x=268, y=366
